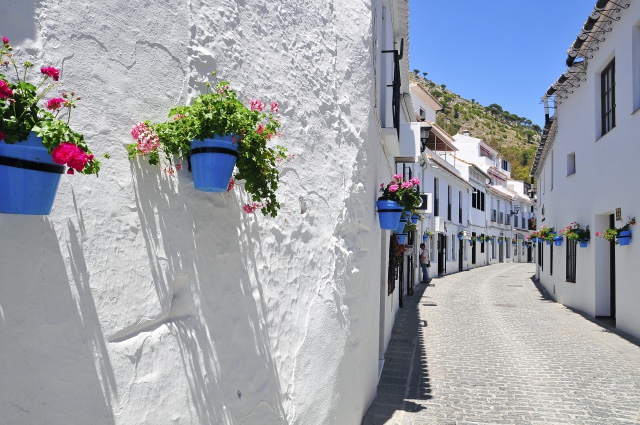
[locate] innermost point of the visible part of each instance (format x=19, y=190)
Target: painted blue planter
x=459, y=237
x=28, y=177
x=548, y=242
x=624, y=237
x=415, y=218
x=534, y=240
x=424, y=238
x=402, y=238
x=557, y=240
x=583, y=244
x=401, y=225
x=389, y=213
x=212, y=162
x=471, y=242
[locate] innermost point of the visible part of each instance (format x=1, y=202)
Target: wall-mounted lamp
x=517, y=210
x=424, y=137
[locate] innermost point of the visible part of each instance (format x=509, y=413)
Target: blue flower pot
x=557, y=240
x=28, y=177
x=401, y=224
x=624, y=237
x=389, y=213
x=459, y=237
x=402, y=238
x=471, y=242
x=415, y=218
x=212, y=162
x=548, y=242
x=424, y=238
x=583, y=244
x=534, y=240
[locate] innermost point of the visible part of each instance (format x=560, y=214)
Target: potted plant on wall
x=216, y=133
x=573, y=232
x=36, y=143
x=397, y=195
x=547, y=234
x=620, y=235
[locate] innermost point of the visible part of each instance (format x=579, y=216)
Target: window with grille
x=608, y=98
x=571, y=260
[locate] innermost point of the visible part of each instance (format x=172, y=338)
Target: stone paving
x=486, y=347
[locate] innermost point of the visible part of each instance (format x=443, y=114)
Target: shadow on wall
x=48, y=333
x=212, y=303
x=17, y=20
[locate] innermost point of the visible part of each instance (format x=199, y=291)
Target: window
x=436, y=197
x=460, y=207
x=608, y=98
x=571, y=163
x=494, y=215
x=571, y=260
x=501, y=218
x=474, y=198
x=449, y=203
x=481, y=201
x=423, y=114
x=454, y=239
x=482, y=244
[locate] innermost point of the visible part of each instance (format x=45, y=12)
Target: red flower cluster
x=71, y=155
x=55, y=103
x=51, y=72
x=5, y=90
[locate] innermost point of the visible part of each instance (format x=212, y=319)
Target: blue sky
x=497, y=51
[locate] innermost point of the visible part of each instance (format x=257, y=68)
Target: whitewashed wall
x=605, y=169
x=142, y=301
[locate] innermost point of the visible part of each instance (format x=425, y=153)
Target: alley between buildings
x=486, y=347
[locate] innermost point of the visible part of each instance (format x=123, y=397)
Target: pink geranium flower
x=51, y=72
x=274, y=107
x=5, y=90
x=5, y=41
x=393, y=188
x=55, y=103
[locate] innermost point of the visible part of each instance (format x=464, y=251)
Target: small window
x=571, y=163
x=608, y=98
x=423, y=114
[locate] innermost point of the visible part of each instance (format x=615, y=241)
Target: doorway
x=442, y=254
x=461, y=242
x=612, y=272
x=473, y=248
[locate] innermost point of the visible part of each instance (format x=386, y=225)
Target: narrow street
x=485, y=347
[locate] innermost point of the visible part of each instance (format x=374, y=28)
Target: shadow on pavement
x=405, y=376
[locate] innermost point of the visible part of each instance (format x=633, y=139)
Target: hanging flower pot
x=389, y=213
x=624, y=237
x=548, y=241
x=557, y=240
x=583, y=244
x=459, y=236
x=415, y=218
x=402, y=238
x=471, y=242
x=425, y=237
x=29, y=177
x=401, y=224
x=212, y=162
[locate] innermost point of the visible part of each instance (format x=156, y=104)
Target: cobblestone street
x=485, y=347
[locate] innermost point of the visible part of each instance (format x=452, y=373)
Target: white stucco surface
x=599, y=184
x=142, y=301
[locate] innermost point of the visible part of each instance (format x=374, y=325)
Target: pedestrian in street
x=425, y=263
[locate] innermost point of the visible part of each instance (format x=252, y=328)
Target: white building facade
x=585, y=162
x=140, y=300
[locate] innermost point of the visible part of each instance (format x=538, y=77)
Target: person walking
x=425, y=263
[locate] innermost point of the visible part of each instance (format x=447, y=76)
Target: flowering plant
x=612, y=233
x=574, y=232
x=403, y=192
x=20, y=114
x=218, y=113
x=546, y=233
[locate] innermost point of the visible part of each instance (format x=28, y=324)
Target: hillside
x=516, y=138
